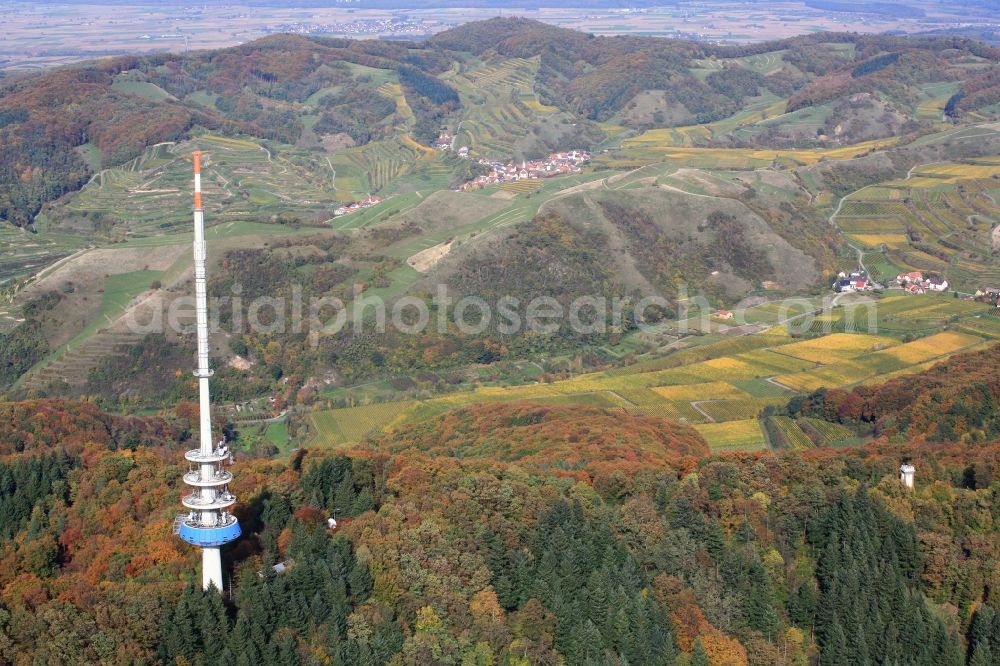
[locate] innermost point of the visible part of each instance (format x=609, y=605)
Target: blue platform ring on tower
x=208, y=537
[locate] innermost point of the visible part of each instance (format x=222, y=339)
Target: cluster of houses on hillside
x=913, y=282
x=854, y=281
x=918, y=283
x=357, y=205
x=991, y=296
x=556, y=164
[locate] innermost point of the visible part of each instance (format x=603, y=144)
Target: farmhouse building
x=856, y=281
x=917, y=283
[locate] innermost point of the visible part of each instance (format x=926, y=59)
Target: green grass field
x=277, y=434
x=142, y=89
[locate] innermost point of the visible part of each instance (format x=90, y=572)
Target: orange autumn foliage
x=723, y=650
x=592, y=444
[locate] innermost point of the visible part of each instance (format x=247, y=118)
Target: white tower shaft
x=211, y=557
x=211, y=568
x=207, y=525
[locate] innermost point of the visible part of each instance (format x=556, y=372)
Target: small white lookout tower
x=906, y=472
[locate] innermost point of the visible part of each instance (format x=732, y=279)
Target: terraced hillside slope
x=723, y=180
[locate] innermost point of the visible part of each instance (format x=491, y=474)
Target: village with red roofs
x=556, y=164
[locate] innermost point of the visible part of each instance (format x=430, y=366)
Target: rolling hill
x=764, y=171
x=713, y=480
x=515, y=87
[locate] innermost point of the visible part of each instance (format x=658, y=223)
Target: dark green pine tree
x=621, y=632
x=662, y=497
x=277, y=511
x=759, y=602
x=893, y=650
x=802, y=605
x=262, y=644
x=360, y=581
x=597, y=598
x=834, y=648
x=981, y=656
x=981, y=628
x=287, y=654
x=344, y=497
x=745, y=533
x=522, y=577
x=335, y=598
x=698, y=656
x=364, y=501
x=500, y=569
x=178, y=633
x=213, y=626
x=239, y=638
x=947, y=651
x=546, y=578
x=318, y=610
x=566, y=626
x=995, y=633
x=587, y=644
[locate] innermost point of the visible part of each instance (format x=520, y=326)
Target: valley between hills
x=712, y=479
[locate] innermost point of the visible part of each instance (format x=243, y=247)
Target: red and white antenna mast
x=207, y=524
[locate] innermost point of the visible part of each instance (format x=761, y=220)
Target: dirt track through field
x=425, y=260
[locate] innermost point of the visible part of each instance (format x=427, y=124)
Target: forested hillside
x=637, y=548
x=958, y=399
x=598, y=76
x=121, y=105
x=62, y=126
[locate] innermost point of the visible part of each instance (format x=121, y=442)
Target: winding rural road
x=333, y=180
x=840, y=204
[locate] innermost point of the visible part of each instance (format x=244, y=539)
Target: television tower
x=207, y=524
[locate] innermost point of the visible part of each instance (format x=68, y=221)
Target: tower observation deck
x=207, y=524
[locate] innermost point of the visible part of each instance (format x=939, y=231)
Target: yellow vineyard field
x=229, y=142
x=797, y=439
x=951, y=173
x=835, y=347
x=829, y=376
x=743, y=435
x=738, y=410
x=891, y=241
x=728, y=368
x=932, y=346
x=775, y=361
x=661, y=138
x=880, y=364
x=343, y=426
x=722, y=392
x=706, y=391
x=522, y=186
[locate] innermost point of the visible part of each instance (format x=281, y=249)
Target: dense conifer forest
x=591, y=538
